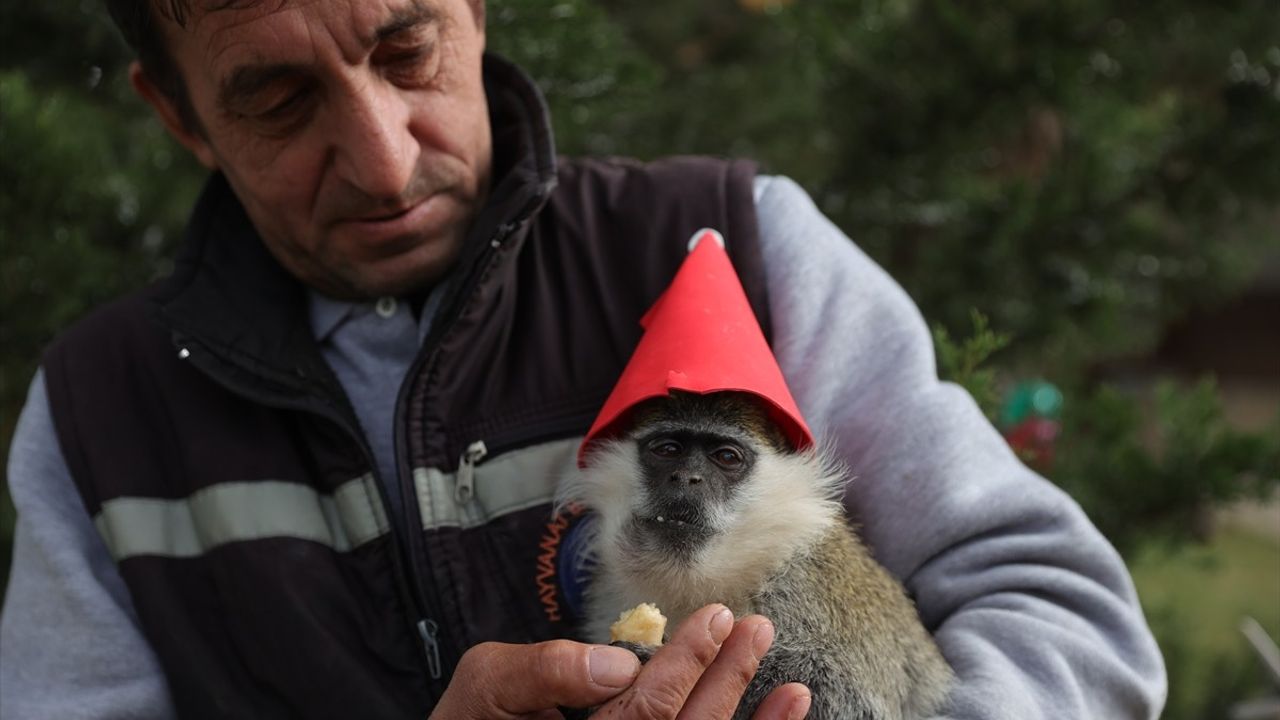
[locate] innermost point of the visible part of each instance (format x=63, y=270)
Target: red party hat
x=701, y=337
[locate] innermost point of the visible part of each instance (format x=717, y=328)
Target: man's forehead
x=185, y=16
x=212, y=27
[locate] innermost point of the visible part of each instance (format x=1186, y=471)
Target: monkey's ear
x=169, y=114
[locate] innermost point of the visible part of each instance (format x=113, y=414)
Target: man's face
x=355, y=132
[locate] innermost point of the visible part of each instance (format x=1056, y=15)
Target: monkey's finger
x=663, y=686
x=498, y=680
x=787, y=702
x=720, y=689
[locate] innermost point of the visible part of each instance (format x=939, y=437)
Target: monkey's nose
x=691, y=479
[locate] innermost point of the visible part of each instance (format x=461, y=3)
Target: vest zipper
x=465, y=482
x=437, y=646
x=428, y=630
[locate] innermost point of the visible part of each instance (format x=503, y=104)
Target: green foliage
x=591, y=74
x=1081, y=172
x=1039, y=161
x=90, y=240
x=1149, y=468
x=965, y=362
x=1146, y=465
x=92, y=193
x=1194, y=597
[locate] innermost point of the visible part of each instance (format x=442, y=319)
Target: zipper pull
x=466, y=480
x=429, y=630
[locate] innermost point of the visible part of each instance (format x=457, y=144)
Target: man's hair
x=139, y=22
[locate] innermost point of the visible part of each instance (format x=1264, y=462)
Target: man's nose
x=374, y=145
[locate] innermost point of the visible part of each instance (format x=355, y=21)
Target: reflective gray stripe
x=236, y=511
x=360, y=507
x=504, y=484
x=350, y=517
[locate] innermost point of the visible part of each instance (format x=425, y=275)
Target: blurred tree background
x=1056, y=183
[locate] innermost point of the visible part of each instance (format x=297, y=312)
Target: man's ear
x=168, y=113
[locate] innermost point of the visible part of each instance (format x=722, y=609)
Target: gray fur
x=847, y=630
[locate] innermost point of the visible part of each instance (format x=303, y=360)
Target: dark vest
x=224, y=466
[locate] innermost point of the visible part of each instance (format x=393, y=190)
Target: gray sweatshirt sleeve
x=70, y=644
x=1033, y=609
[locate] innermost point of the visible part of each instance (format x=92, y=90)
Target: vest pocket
x=495, y=557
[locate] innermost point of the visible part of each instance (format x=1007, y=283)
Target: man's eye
x=408, y=58
x=411, y=57
x=665, y=448
x=416, y=66
x=728, y=458
x=281, y=112
x=286, y=108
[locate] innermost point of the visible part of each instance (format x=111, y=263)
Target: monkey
x=702, y=500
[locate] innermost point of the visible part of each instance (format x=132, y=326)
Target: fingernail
x=613, y=667
x=721, y=626
x=763, y=638
x=799, y=708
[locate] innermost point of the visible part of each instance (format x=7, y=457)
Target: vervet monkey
x=701, y=500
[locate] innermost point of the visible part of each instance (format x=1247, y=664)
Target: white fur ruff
x=788, y=503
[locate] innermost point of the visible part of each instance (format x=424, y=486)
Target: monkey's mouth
x=674, y=521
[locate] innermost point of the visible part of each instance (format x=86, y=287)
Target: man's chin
x=404, y=274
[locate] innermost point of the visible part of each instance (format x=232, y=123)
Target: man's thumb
x=502, y=680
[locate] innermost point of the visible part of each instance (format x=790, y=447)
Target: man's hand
x=701, y=673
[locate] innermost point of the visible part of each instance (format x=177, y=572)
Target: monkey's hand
x=701, y=673
x=644, y=652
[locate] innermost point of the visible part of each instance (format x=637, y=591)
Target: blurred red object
x=1033, y=440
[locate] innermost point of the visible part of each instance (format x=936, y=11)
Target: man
x=309, y=475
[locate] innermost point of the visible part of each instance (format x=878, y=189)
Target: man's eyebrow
x=417, y=13
x=247, y=80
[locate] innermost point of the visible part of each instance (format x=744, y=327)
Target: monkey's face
x=690, y=476
x=699, y=496
x=696, y=458
x=692, y=482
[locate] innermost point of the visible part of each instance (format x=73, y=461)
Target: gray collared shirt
x=370, y=346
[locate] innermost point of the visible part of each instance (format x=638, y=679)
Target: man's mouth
x=387, y=230
x=384, y=216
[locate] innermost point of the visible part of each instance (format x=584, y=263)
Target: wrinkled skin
x=356, y=134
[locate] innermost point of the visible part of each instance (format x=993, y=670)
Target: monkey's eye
x=665, y=448
x=729, y=458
